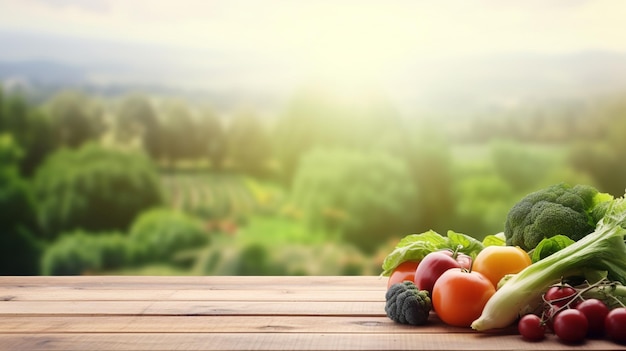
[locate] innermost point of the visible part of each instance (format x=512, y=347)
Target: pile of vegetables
x=559, y=266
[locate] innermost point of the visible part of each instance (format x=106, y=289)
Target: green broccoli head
x=406, y=304
x=556, y=210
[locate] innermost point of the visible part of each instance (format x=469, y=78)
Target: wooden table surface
x=225, y=313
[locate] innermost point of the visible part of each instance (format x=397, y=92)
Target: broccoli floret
x=406, y=304
x=556, y=210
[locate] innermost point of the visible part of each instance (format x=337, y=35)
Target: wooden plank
x=217, y=324
x=285, y=341
x=184, y=308
x=197, y=282
x=175, y=294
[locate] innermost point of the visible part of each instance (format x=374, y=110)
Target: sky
x=347, y=41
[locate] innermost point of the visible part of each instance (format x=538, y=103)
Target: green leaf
x=430, y=236
x=548, y=246
x=467, y=244
x=413, y=248
x=494, y=240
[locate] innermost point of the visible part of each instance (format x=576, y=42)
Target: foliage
x=281, y=246
x=249, y=144
x=19, y=251
x=520, y=167
x=76, y=118
x=430, y=162
x=94, y=188
x=211, y=135
x=159, y=234
x=603, y=162
x=367, y=197
x=314, y=119
x=482, y=205
x=30, y=128
x=220, y=196
x=137, y=118
x=81, y=252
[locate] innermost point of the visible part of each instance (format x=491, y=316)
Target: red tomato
x=560, y=295
x=404, y=271
x=571, y=325
x=435, y=263
x=615, y=324
x=531, y=327
x=595, y=311
x=459, y=296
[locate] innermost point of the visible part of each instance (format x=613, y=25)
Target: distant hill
x=48, y=63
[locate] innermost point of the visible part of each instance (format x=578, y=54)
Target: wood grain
x=227, y=313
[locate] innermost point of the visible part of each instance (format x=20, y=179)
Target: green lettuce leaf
x=414, y=247
x=548, y=246
x=494, y=240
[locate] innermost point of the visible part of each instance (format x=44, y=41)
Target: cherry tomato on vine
x=615, y=325
x=459, y=296
x=531, y=327
x=549, y=313
x=595, y=311
x=559, y=295
x=494, y=262
x=571, y=325
x=404, y=271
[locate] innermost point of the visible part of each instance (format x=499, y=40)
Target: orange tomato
x=404, y=271
x=459, y=296
x=494, y=262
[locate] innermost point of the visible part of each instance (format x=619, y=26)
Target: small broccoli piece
x=406, y=304
x=556, y=210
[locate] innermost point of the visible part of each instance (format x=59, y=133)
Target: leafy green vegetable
x=603, y=250
x=548, y=246
x=414, y=247
x=494, y=240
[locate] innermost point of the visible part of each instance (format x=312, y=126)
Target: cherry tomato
x=549, y=314
x=559, y=295
x=494, y=262
x=404, y=271
x=531, y=327
x=571, y=325
x=615, y=325
x=435, y=263
x=595, y=311
x=459, y=296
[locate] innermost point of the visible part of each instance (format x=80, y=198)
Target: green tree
x=211, y=139
x=365, y=197
x=76, y=118
x=430, y=165
x=137, y=118
x=177, y=132
x=95, y=189
x=314, y=118
x=249, y=144
x=19, y=251
x=603, y=157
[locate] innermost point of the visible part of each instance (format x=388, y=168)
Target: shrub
x=159, y=234
x=95, y=189
x=81, y=252
x=366, y=197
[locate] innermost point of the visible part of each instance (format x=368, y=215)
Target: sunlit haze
x=265, y=45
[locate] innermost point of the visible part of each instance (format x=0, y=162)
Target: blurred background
x=273, y=137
